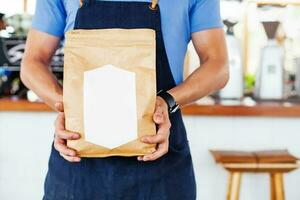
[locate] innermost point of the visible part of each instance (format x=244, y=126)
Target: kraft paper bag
x=110, y=91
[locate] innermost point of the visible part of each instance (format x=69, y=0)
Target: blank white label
x=110, y=113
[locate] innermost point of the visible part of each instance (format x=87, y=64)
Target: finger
x=59, y=107
x=162, y=150
x=158, y=117
x=61, y=141
x=60, y=121
x=162, y=135
x=153, y=139
x=67, y=135
x=60, y=129
x=63, y=149
x=164, y=129
x=71, y=159
x=140, y=158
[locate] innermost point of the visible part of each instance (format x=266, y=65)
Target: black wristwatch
x=169, y=99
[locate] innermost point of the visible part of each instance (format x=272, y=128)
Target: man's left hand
x=161, y=139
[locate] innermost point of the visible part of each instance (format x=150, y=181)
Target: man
x=166, y=174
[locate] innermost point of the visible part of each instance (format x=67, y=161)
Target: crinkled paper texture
x=132, y=50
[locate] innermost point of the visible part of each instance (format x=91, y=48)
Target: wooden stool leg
x=277, y=186
x=272, y=187
x=234, y=185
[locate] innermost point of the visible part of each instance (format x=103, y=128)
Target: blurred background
x=259, y=109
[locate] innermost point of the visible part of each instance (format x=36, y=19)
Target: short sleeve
x=205, y=14
x=50, y=17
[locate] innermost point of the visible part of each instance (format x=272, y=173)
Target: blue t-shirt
x=180, y=18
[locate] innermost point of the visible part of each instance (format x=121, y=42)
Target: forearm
x=210, y=77
x=37, y=76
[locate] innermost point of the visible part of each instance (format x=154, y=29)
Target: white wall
x=25, y=140
x=240, y=134
x=12, y=7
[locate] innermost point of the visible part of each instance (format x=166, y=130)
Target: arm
x=37, y=76
x=35, y=71
x=212, y=75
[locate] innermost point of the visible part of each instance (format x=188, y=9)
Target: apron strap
x=153, y=5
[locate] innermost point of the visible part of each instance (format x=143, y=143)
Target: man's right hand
x=62, y=135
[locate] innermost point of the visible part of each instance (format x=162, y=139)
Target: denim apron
x=120, y=178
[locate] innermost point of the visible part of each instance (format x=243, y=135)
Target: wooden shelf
x=271, y=109
x=276, y=2
x=259, y=110
x=23, y=106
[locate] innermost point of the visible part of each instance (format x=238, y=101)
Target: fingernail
x=158, y=118
x=76, y=136
x=72, y=154
x=77, y=159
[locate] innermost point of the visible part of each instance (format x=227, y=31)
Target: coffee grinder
x=235, y=86
x=270, y=76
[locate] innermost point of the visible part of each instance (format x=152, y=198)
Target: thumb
x=59, y=107
x=158, y=115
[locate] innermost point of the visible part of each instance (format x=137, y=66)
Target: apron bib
x=120, y=178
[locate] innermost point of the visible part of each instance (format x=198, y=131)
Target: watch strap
x=170, y=100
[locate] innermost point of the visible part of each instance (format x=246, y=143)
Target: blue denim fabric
x=119, y=178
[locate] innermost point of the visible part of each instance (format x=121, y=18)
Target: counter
x=262, y=109
x=26, y=134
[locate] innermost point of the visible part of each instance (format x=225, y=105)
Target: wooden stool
x=276, y=163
